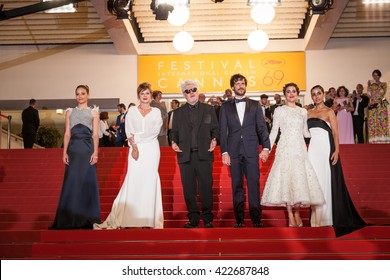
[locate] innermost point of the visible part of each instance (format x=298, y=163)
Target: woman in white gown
x=292, y=181
x=338, y=210
x=139, y=202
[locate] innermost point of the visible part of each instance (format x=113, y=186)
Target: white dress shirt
x=241, y=110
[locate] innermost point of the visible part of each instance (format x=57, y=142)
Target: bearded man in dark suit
x=241, y=126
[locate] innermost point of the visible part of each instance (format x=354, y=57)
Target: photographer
x=216, y=103
x=359, y=102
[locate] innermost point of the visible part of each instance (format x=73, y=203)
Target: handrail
x=8, y=130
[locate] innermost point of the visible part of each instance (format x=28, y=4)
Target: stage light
x=70, y=8
x=162, y=8
x=119, y=8
x=320, y=6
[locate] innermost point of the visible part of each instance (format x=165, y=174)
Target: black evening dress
x=79, y=205
x=343, y=215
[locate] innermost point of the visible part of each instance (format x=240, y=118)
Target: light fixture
x=180, y=14
x=262, y=14
x=376, y=1
x=258, y=40
x=161, y=8
x=183, y=41
x=263, y=2
x=320, y=6
x=70, y=8
x=263, y=11
x=119, y=8
x=217, y=1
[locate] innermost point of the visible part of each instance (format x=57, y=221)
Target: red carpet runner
x=30, y=182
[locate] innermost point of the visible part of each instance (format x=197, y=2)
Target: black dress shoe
x=190, y=225
x=259, y=224
x=238, y=225
x=208, y=225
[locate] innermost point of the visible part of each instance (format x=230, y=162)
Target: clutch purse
x=372, y=106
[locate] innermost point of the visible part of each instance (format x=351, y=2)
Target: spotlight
x=161, y=10
x=217, y=1
x=320, y=6
x=119, y=8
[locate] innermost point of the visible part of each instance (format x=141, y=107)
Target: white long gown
x=139, y=201
x=319, y=150
x=292, y=179
x=339, y=209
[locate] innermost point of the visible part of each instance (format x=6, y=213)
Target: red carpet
x=30, y=182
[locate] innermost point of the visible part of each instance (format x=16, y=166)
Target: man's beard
x=240, y=94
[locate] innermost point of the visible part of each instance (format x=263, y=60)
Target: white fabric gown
x=139, y=201
x=319, y=150
x=292, y=179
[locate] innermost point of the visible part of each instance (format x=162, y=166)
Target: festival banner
x=265, y=72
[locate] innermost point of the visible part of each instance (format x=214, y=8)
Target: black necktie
x=239, y=100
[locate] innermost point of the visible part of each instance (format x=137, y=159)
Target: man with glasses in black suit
x=194, y=137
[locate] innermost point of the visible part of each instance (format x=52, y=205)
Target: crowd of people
x=246, y=130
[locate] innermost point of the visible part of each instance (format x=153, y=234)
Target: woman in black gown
x=79, y=205
x=338, y=210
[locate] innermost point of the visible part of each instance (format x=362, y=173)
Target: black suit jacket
x=253, y=128
x=30, y=118
x=207, y=130
x=267, y=113
x=363, y=104
x=329, y=102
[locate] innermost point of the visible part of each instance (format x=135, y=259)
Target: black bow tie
x=239, y=100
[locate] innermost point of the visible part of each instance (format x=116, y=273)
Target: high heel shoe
x=298, y=220
x=291, y=221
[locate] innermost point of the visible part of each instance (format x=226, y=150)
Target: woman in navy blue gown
x=79, y=205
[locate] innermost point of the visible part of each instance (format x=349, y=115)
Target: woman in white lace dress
x=292, y=181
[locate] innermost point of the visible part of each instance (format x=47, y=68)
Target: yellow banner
x=264, y=71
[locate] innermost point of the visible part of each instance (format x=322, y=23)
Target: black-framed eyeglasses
x=188, y=91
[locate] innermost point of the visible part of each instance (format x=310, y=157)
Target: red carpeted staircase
x=30, y=183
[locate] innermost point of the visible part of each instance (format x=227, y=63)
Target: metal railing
x=8, y=129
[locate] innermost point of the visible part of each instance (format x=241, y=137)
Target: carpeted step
x=30, y=184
